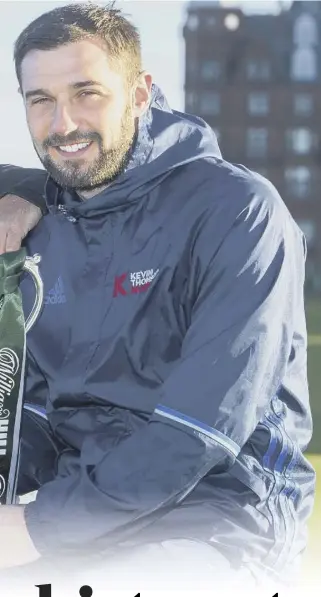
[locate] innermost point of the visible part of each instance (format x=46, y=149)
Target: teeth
x=73, y=148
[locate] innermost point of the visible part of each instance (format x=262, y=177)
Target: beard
x=100, y=172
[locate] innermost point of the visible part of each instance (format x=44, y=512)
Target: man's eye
x=40, y=100
x=88, y=93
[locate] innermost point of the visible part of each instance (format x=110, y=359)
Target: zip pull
x=67, y=214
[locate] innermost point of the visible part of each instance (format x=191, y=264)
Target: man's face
x=80, y=113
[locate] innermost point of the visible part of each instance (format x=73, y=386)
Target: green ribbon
x=12, y=370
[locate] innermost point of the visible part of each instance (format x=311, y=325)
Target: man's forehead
x=70, y=64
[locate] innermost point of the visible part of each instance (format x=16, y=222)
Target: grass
x=314, y=368
x=313, y=312
x=312, y=557
x=315, y=524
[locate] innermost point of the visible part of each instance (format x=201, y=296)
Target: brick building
x=256, y=79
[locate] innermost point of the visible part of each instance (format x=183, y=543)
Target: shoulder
x=239, y=213
x=226, y=193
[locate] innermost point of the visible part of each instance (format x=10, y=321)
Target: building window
x=257, y=142
x=192, y=67
x=210, y=103
x=192, y=22
x=258, y=70
x=298, y=182
x=258, y=104
x=210, y=70
x=232, y=22
x=309, y=230
x=305, y=32
x=304, y=64
x=303, y=104
x=300, y=141
x=190, y=101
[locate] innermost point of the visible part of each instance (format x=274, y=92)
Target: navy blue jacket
x=171, y=355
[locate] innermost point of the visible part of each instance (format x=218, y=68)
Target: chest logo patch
x=134, y=282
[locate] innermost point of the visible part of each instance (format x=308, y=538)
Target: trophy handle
x=31, y=266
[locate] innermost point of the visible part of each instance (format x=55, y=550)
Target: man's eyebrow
x=77, y=85
x=89, y=83
x=34, y=92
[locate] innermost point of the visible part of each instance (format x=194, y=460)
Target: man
x=171, y=351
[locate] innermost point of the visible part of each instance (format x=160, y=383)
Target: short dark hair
x=75, y=22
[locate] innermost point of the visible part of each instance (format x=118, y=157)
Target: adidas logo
x=56, y=296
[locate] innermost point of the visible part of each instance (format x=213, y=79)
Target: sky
x=160, y=23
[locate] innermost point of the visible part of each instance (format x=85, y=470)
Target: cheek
x=109, y=126
x=38, y=126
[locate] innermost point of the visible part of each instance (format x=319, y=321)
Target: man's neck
x=84, y=195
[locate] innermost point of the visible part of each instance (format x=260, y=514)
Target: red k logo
x=139, y=282
x=118, y=285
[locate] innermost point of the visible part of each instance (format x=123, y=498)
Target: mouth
x=73, y=150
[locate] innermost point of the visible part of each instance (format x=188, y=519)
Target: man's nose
x=63, y=123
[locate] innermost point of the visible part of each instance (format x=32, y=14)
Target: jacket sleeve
x=27, y=183
x=247, y=285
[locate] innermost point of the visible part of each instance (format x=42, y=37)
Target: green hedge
x=314, y=374
x=313, y=312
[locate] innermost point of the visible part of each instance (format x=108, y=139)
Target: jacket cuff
x=25, y=183
x=28, y=195
x=39, y=531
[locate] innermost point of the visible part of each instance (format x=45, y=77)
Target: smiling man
x=166, y=399
x=80, y=93
x=82, y=100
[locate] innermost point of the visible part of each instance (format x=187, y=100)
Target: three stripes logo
x=56, y=296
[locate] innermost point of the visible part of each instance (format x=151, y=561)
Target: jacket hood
x=167, y=139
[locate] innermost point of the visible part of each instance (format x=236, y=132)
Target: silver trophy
x=12, y=374
x=31, y=266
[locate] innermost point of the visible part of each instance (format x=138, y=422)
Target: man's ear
x=142, y=93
